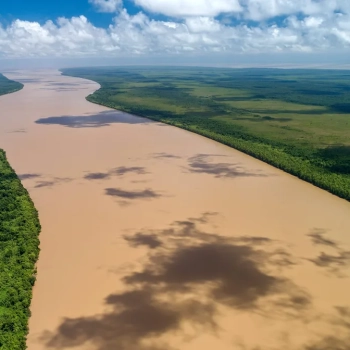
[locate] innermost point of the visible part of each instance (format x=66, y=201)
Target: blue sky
x=214, y=31
x=43, y=10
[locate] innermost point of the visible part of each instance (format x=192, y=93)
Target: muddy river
x=154, y=238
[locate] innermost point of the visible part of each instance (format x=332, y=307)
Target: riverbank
x=8, y=86
x=301, y=131
x=19, y=250
x=155, y=238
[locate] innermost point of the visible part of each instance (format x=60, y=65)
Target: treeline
x=19, y=249
x=7, y=86
x=169, y=95
x=294, y=161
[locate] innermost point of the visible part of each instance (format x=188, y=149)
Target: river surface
x=154, y=238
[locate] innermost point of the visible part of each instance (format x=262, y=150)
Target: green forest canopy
x=19, y=249
x=297, y=120
x=7, y=85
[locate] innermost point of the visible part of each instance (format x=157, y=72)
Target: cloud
x=293, y=26
x=106, y=5
x=180, y=8
x=251, y=9
x=67, y=37
x=263, y=9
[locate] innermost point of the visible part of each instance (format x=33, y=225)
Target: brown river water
x=154, y=238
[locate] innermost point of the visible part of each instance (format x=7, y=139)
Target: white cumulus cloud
x=250, y=9
x=179, y=8
x=264, y=9
x=324, y=27
x=106, y=5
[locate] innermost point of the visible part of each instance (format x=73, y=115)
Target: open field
x=7, y=86
x=296, y=120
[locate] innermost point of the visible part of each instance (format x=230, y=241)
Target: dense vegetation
x=19, y=249
x=296, y=120
x=8, y=86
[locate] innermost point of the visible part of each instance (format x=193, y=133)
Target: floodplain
x=155, y=238
x=296, y=120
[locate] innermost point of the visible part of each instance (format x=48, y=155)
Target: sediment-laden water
x=155, y=238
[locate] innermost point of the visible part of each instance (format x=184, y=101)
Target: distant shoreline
x=8, y=86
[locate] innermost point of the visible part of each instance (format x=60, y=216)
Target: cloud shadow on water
x=63, y=84
x=186, y=276
x=97, y=176
x=41, y=184
x=28, y=176
x=333, y=262
x=120, y=171
x=126, y=170
x=29, y=80
x=143, y=239
x=132, y=195
x=340, y=341
x=228, y=269
x=336, y=261
x=58, y=89
x=202, y=164
x=329, y=343
x=164, y=155
x=105, y=118
x=317, y=237
x=52, y=182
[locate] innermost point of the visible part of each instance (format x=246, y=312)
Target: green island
x=19, y=249
x=297, y=120
x=7, y=86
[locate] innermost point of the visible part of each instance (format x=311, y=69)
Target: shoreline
x=134, y=211
x=18, y=258
x=219, y=139
x=303, y=169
